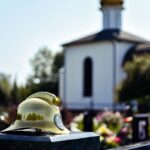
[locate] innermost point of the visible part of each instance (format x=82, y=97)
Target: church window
x=87, y=76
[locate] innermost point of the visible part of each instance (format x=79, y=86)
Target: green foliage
x=5, y=83
x=113, y=120
x=43, y=78
x=49, y=86
x=23, y=92
x=41, y=65
x=14, y=92
x=111, y=145
x=58, y=62
x=136, y=85
x=45, y=69
x=5, y=89
x=45, y=72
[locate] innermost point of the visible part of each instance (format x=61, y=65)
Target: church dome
x=111, y=2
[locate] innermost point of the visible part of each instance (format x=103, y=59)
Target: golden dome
x=111, y=2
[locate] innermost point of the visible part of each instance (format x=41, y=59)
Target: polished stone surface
x=30, y=141
x=137, y=146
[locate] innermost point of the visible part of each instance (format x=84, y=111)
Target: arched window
x=87, y=76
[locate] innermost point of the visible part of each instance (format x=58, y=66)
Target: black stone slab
x=72, y=141
x=138, y=146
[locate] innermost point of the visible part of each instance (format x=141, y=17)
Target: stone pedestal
x=72, y=141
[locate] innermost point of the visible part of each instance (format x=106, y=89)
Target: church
x=93, y=64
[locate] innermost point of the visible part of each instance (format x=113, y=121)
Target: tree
x=58, y=62
x=23, y=92
x=45, y=72
x=41, y=65
x=136, y=85
x=5, y=89
x=14, y=92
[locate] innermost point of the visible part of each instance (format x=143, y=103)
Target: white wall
x=104, y=73
x=101, y=53
x=121, y=50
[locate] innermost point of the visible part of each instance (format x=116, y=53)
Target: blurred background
x=79, y=51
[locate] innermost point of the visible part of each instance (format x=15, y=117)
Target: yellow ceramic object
x=46, y=96
x=39, y=113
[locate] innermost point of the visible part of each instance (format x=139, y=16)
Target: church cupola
x=111, y=13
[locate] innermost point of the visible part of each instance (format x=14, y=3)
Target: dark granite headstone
x=140, y=127
x=72, y=141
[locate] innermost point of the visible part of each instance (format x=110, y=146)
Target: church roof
x=138, y=49
x=107, y=35
x=142, y=47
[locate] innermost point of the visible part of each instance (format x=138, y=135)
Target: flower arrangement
x=113, y=128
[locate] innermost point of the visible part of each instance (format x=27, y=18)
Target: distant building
x=93, y=64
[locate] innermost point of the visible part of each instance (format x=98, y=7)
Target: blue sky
x=27, y=25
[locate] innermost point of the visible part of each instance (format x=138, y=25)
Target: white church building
x=93, y=64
